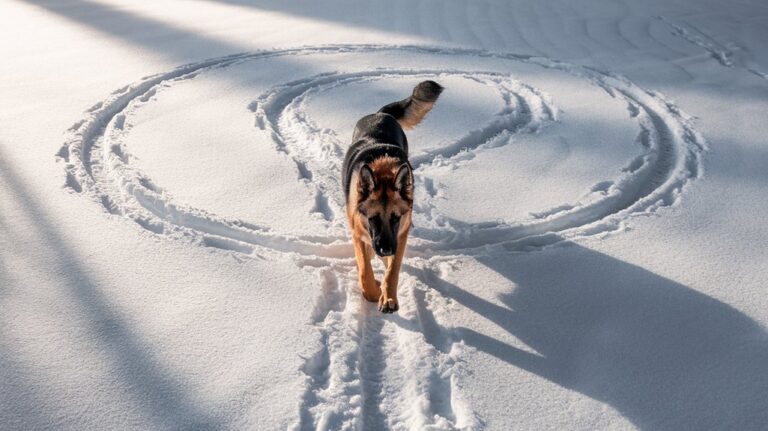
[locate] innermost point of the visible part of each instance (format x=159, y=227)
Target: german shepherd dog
x=378, y=184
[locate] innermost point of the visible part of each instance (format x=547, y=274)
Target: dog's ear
x=403, y=178
x=365, y=182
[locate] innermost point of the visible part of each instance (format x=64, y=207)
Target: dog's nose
x=385, y=251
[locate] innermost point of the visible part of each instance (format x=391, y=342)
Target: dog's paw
x=388, y=305
x=372, y=293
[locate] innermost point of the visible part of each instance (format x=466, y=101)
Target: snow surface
x=588, y=250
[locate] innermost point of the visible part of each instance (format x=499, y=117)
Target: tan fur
x=414, y=113
x=384, y=169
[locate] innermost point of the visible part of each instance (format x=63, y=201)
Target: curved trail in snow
x=402, y=371
x=96, y=161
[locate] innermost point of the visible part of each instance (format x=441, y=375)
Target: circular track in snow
x=98, y=163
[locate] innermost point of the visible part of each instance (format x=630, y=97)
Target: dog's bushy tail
x=409, y=112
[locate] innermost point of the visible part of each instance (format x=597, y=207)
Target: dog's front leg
x=363, y=254
x=388, y=299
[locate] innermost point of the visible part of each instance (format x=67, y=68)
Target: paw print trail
x=381, y=372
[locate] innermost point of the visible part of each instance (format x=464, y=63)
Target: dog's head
x=385, y=201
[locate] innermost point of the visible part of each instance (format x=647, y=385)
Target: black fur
x=375, y=135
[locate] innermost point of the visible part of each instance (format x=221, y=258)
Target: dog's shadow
x=665, y=356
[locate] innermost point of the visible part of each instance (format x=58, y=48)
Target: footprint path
x=402, y=371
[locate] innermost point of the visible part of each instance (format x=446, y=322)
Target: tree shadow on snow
x=141, y=31
x=665, y=356
x=153, y=387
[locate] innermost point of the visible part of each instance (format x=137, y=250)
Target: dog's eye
x=394, y=220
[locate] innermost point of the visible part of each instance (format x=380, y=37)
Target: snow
x=588, y=250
